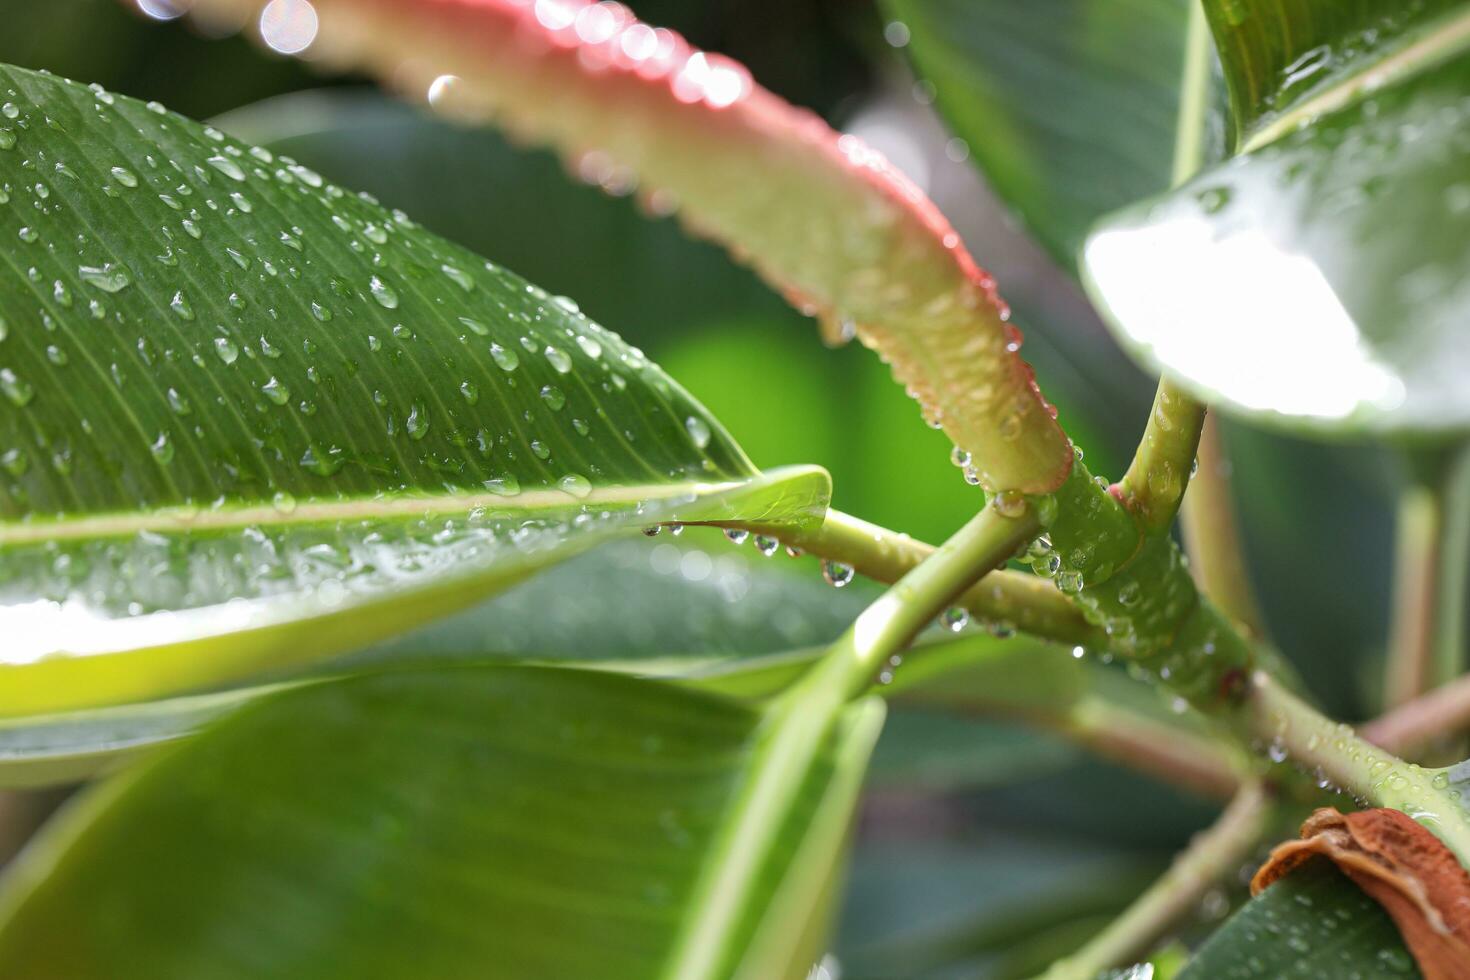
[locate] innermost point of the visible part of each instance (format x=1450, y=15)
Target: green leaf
x=820, y=216
x=239, y=400
x=1286, y=61
x=472, y=822
x=1312, y=923
x=1314, y=283
x=1072, y=109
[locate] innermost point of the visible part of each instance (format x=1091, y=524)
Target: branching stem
x=1210, y=857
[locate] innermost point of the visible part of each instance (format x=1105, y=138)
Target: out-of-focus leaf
x=1070, y=108
x=822, y=217
x=238, y=400
x=1312, y=923
x=1286, y=61
x=1314, y=283
x=472, y=822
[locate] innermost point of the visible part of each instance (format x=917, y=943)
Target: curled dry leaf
x=1402, y=867
x=822, y=217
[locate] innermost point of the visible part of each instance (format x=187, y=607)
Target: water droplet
x=553, y=396
x=417, y=422
x=276, y=390
x=507, y=358
x=27, y=234
x=180, y=305
x=476, y=327
x=838, y=574
x=470, y=391
x=589, y=346
x=955, y=618
x=1213, y=199
x=575, y=484
x=242, y=202
x=226, y=166
x=283, y=502
x=383, y=293
x=698, y=431
x=19, y=392
x=226, y=349
x=558, y=359
x=109, y=277
x=320, y=312
x=10, y=110
x=162, y=449
x=7, y=138
x=767, y=546
x=505, y=486
x=460, y=277
x=1010, y=503
x=15, y=461
x=540, y=450
x=124, y=176
x=56, y=355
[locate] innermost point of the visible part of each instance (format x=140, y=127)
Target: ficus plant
x=261, y=432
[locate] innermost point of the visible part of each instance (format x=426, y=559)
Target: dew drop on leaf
x=108, y=277
x=383, y=293
x=698, y=430
x=506, y=357
x=575, y=484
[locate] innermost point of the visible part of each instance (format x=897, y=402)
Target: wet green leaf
x=463, y=822
x=1286, y=61
x=1314, y=283
x=238, y=400
x=1070, y=108
x=1312, y=923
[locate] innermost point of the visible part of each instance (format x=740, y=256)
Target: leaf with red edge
x=819, y=215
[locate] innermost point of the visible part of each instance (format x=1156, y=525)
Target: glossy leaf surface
x=1287, y=60
x=473, y=822
x=238, y=398
x=822, y=217
x=1312, y=923
x=1070, y=108
x=1316, y=282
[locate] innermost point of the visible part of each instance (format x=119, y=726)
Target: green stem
x=1427, y=630
x=1212, y=536
x=1155, y=481
x=889, y=624
x=800, y=720
x=1030, y=604
x=1355, y=765
x=1210, y=857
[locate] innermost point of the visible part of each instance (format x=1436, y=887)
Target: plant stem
x=1211, y=535
x=1415, y=726
x=1033, y=605
x=1426, y=634
x=1211, y=856
x=1354, y=764
x=1154, y=484
x=890, y=623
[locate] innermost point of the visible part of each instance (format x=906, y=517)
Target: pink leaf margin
x=819, y=215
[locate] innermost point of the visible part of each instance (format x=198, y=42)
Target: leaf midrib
x=186, y=518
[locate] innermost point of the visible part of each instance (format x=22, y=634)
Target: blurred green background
x=962, y=860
